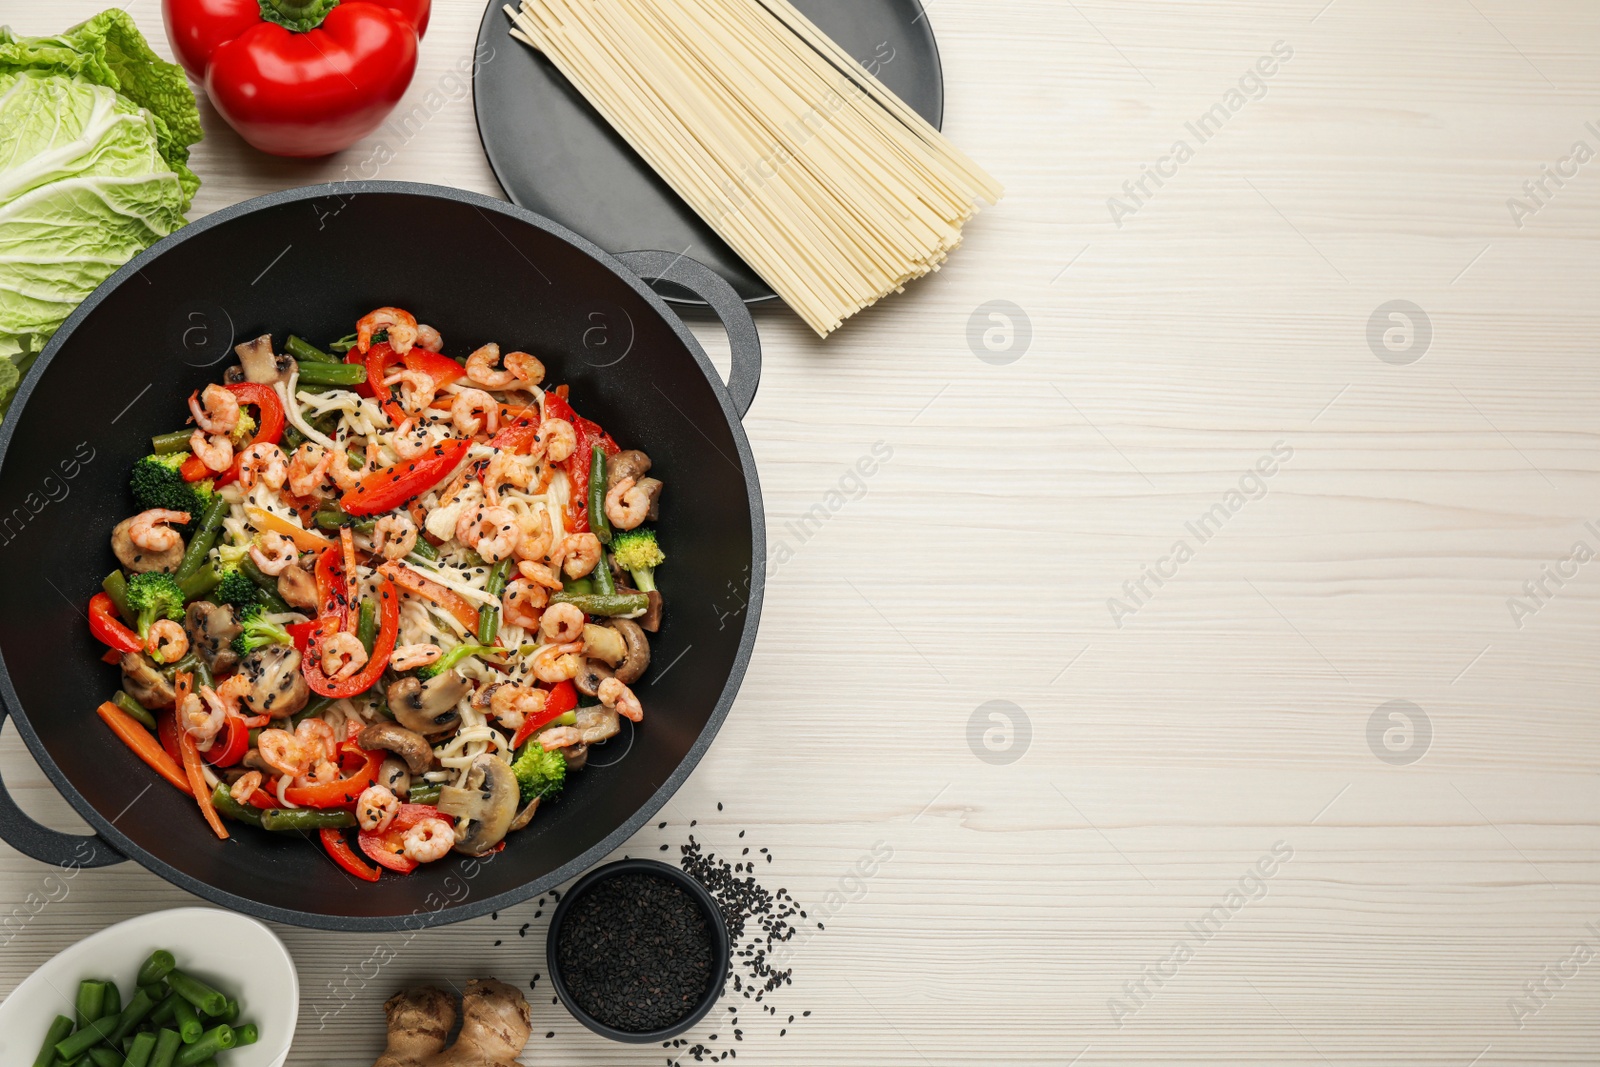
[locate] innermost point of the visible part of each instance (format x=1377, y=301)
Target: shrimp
x=481, y=368
x=525, y=367
x=274, y=553
x=562, y=624
x=429, y=339
x=523, y=602
x=578, y=554
x=416, y=389
x=402, y=327
x=429, y=840
x=560, y=737
x=245, y=787
x=492, y=532
x=216, y=410
x=613, y=694
x=149, y=529
x=410, y=657
x=535, y=543
x=505, y=469
x=376, y=808
x=321, y=773
x=165, y=641
x=474, y=410
x=314, y=733
x=410, y=440
x=308, y=470
x=560, y=439
x=264, y=463
x=203, y=715
x=342, y=655
x=512, y=704
x=280, y=751
x=394, y=536
x=539, y=574
x=627, y=504
x=558, y=663
x=216, y=451
x=233, y=691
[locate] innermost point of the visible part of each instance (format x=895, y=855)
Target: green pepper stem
x=301, y=16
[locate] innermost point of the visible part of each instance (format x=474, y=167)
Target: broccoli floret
x=636, y=552
x=541, y=774
x=154, y=595
x=244, y=430
x=236, y=589
x=258, y=632
x=157, y=483
x=455, y=656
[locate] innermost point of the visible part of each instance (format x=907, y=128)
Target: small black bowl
x=714, y=922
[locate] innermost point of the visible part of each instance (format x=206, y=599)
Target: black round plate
x=552, y=153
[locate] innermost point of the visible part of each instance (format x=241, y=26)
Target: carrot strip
x=197, y=783
x=448, y=600
x=305, y=540
x=144, y=745
x=347, y=540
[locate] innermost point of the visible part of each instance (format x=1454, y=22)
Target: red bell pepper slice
x=387, y=847
x=356, y=357
x=167, y=732
x=562, y=699
x=382, y=646
x=380, y=362
x=230, y=745
x=194, y=469
x=337, y=847
x=340, y=794
x=388, y=487
x=576, y=465
x=270, y=420
x=300, y=633
x=108, y=629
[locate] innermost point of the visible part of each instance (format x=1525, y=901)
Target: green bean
x=138, y=1007
x=600, y=604
x=580, y=586
x=343, y=344
x=140, y=1051
x=167, y=443
x=425, y=550
x=267, y=584
x=113, y=1001
x=217, y=1039
x=160, y=964
x=333, y=516
x=367, y=625
x=105, y=1057
x=603, y=583
x=300, y=820
x=196, y=992
x=134, y=708
x=496, y=582
x=205, y=535
x=162, y=1015
x=167, y=1043
x=598, y=522
x=201, y=582
x=305, y=351
x=70, y=1048
x=423, y=792
x=292, y=439
x=230, y=1012
x=337, y=374
x=58, y=1030
x=116, y=587
x=247, y=1034
x=315, y=706
x=158, y=989
x=223, y=801
x=488, y=624
x=186, y=1017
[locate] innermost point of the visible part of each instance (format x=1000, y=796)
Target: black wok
x=311, y=261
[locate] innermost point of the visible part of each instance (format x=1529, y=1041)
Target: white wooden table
x=1085, y=889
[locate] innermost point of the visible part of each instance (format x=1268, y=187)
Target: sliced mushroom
x=395, y=776
x=144, y=682
x=277, y=687
x=652, y=488
x=487, y=804
x=298, y=588
x=629, y=463
x=597, y=723
x=602, y=642
x=576, y=756
x=258, y=363
x=140, y=560
x=429, y=707
x=651, y=619
x=631, y=666
x=525, y=816
x=211, y=629
x=253, y=761
x=407, y=744
x=590, y=675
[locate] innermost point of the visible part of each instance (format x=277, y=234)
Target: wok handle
x=705, y=283
x=47, y=845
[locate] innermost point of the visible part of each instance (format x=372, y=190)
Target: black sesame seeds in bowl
x=638, y=951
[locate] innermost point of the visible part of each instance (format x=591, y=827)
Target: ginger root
x=496, y=1024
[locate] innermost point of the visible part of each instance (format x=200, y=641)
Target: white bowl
x=238, y=955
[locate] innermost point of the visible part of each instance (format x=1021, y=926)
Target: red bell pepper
x=340, y=794
x=576, y=465
x=562, y=699
x=107, y=628
x=194, y=469
x=167, y=732
x=387, y=847
x=270, y=420
x=230, y=745
x=300, y=633
x=382, y=645
x=388, y=487
x=380, y=361
x=345, y=857
x=299, y=78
